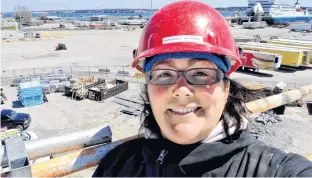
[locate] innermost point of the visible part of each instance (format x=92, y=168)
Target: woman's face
x=173, y=105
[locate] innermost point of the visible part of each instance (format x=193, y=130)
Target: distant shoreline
x=234, y=8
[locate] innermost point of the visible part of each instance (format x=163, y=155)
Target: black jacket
x=244, y=157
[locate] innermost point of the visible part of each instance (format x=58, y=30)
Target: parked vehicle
x=12, y=119
x=60, y=46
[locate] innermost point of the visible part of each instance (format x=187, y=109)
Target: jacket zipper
x=159, y=161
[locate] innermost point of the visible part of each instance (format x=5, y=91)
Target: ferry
x=278, y=13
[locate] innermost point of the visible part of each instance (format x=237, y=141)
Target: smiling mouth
x=184, y=111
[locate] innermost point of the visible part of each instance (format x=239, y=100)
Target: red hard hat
x=187, y=26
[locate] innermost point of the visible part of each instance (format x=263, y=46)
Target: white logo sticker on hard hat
x=183, y=38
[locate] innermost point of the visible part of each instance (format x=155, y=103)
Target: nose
x=182, y=89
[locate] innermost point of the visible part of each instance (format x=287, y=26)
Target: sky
x=37, y=5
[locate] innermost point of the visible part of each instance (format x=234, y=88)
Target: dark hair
x=235, y=107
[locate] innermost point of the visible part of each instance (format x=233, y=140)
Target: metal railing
x=108, y=71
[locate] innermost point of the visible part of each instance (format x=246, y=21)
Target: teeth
x=183, y=111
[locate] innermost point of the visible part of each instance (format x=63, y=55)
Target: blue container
x=30, y=94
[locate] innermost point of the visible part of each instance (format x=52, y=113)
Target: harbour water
x=87, y=15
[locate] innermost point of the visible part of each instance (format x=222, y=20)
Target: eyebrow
x=171, y=63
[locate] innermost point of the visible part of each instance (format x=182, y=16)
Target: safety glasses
x=195, y=76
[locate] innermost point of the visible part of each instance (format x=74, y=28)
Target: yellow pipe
x=274, y=101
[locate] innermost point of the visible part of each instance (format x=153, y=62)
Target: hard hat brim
x=186, y=47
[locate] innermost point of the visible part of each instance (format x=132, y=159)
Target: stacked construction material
x=46, y=87
x=30, y=93
x=19, y=80
x=254, y=25
x=60, y=77
x=55, y=82
x=54, y=85
x=301, y=26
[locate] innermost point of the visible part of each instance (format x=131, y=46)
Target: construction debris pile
x=267, y=118
x=89, y=88
x=260, y=124
x=79, y=89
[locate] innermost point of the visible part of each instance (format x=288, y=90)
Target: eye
x=166, y=74
x=200, y=74
x=162, y=74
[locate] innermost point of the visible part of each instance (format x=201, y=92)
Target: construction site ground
x=60, y=115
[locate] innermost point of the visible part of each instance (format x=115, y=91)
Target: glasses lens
x=202, y=76
x=163, y=77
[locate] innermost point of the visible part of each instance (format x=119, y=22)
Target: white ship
x=277, y=13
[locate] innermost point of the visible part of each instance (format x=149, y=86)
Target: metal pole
x=55, y=145
x=90, y=157
x=75, y=161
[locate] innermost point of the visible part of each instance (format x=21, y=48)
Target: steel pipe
x=65, y=143
x=75, y=161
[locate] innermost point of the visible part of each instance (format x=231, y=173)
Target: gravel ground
x=63, y=115
x=290, y=132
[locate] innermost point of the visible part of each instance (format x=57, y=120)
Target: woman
x=195, y=118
